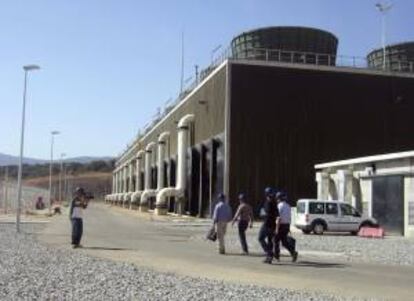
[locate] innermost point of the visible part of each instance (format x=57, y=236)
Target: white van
x=318, y=216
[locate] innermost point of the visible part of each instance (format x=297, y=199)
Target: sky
x=107, y=65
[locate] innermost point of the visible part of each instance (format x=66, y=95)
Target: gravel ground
x=32, y=271
x=391, y=250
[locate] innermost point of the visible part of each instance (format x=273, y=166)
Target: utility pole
x=52, y=140
x=5, y=188
x=27, y=69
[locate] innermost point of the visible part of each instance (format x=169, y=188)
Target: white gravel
x=391, y=250
x=32, y=271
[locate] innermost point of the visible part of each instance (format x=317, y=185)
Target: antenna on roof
x=182, y=62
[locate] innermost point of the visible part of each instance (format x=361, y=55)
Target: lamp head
x=31, y=67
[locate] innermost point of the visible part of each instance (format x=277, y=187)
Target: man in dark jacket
x=78, y=204
x=269, y=213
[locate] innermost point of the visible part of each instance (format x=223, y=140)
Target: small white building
x=380, y=186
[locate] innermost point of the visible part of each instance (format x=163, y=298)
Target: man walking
x=221, y=216
x=78, y=204
x=283, y=227
x=244, y=217
x=269, y=212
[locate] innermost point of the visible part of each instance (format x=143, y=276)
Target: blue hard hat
x=221, y=196
x=282, y=195
x=269, y=191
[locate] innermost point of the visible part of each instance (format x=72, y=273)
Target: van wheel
x=318, y=228
x=306, y=231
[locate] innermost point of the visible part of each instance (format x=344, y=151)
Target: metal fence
x=8, y=197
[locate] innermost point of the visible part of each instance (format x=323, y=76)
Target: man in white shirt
x=78, y=204
x=283, y=228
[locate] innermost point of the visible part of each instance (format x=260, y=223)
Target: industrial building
x=381, y=186
x=264, y=117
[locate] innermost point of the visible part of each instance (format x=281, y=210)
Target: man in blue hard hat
x=269, y=213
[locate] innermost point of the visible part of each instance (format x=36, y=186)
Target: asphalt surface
x=168, y=244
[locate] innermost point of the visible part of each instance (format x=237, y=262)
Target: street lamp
x=383, y=8
x=62, y=155
x=26, y=69
x=53, y=134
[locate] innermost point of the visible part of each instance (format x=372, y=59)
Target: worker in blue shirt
x=221, y=217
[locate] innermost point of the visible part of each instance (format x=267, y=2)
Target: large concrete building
x=253, y=123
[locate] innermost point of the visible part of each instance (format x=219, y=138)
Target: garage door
x=388, y=203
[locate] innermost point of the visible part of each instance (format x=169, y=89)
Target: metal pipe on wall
x=127, y=196
x=143, y=206
x=179, y=189
x=135, y=198
x=162, y=139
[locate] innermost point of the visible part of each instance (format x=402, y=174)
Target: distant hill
x=14, y=160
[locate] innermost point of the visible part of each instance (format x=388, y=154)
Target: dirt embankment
x=98, y=183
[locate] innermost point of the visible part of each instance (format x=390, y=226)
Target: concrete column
x=115, y=194
x=125, y=178
x=344, y=185
x=117, y=181
x=131, y=174
x=322, y=179
x=138, y=173
x=113, y=182
x=332, y=187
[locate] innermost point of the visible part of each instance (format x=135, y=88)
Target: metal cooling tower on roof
x=399, y=57
x=286, y=44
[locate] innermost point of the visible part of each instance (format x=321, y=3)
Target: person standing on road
x=221, y=216
x=78, y=204
x=244, y=216
x=283, y=227
x=269, y=212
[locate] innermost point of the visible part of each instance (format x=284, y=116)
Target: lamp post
x=53, y=134
x=26, y=69
x=62, y=155
x=383, y=8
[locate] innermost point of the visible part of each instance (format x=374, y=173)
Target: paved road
x=168, y=244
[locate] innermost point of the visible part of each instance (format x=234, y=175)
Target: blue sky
x=107, y=65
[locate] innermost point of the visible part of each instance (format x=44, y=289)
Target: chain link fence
x=30, y=195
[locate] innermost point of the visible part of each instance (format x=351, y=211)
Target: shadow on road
x=250, y=254
x=106, y=249
x=315, y=264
